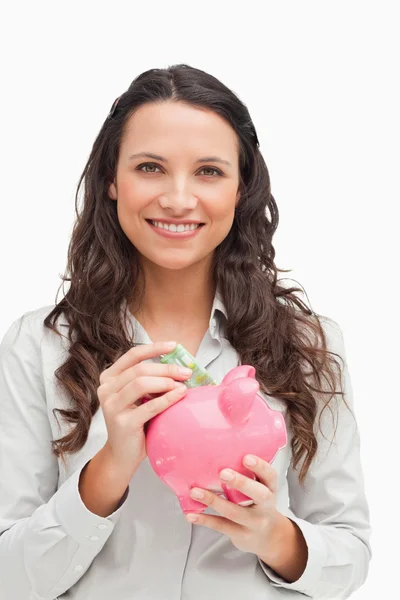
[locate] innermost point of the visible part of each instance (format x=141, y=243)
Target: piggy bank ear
x=236, y=399
x=237, y=372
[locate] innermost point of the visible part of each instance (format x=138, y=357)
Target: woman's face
x=183, y=183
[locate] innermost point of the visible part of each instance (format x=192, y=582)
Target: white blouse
x=52, y=546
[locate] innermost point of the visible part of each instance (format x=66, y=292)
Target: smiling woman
x=174, y=241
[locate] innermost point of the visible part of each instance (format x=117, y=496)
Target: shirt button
x=101, y=526
x=94, y=538
x=78, y=568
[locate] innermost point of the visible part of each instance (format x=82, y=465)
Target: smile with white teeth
x=176, y=228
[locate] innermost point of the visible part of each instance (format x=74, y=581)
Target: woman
x=174, y=243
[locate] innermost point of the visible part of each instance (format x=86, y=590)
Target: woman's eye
x=151, y=165
x=217, y=171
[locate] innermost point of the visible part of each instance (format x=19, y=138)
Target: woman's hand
x=122, y=387
x=250, y=528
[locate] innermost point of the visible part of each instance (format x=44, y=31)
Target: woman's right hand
x=122, y=387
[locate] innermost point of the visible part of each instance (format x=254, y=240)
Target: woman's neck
x=181, y=297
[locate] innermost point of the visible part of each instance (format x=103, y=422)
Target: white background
x=319, y=79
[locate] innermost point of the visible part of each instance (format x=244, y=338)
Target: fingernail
x=191, y=518
x=195, y=493
x=169, y=345
x=185, y=371
x=180, y=387
x=227, y=475
x=250, y=460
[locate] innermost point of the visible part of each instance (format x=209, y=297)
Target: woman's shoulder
x=28, y=328
x=331, y=328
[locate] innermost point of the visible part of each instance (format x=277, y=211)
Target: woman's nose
x=178, y=201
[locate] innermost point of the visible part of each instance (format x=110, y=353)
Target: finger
x=229, y=510
x=256, y=490
x=154, y=407
x=264, y=471
x=216, y=523
x=135, y=355
x=115, y=384
x=137, y=389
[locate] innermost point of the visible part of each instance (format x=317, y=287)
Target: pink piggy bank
x=211, y=428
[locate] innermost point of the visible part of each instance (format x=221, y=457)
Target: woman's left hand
x=250, y=528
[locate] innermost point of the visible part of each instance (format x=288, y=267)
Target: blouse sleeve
x=48, y=538
x=332, y=510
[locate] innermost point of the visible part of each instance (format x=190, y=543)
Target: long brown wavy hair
x=268, y=325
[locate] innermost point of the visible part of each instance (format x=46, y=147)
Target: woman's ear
x=112, y=191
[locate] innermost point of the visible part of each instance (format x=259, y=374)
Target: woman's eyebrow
x=162, y=159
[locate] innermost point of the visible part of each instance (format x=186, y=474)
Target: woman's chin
x=171, y=264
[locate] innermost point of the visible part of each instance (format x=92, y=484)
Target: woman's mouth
x=171, y=230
